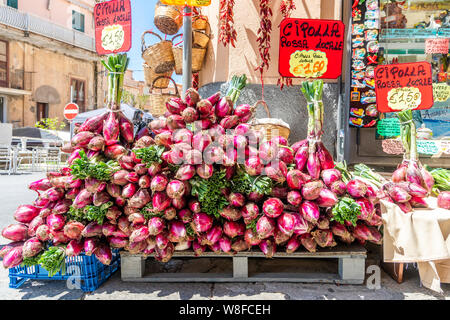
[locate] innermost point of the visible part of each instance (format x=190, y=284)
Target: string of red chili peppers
x=286, y=8
x=227, y=32
x=263, y=39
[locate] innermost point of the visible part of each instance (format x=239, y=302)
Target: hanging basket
x=198, y=55
x=199, y=23
x=150, y=75
x=200, y=39
x=268, y=126
x=168, y=19
x=159, y=56
x=158, y=100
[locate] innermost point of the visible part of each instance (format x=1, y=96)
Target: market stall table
x=421, y=236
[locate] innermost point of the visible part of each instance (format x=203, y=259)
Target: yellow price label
x=191, y=3
x=441, y=92
x=404, y=98
x=308, y=63
x=113, y=37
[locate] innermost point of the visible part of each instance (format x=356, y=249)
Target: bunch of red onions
x=198, y=137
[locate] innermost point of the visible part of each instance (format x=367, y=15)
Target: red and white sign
x=404, y=86
x=436, y=46
x=311, y=48
x=112, y=26
x=71, y=110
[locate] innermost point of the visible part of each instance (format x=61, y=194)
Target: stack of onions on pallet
x=206, y=181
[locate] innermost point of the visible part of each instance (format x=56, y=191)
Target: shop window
x=406, y=28
x=42, y=111
x=12, y=3
x=78, y=93
x=2, y=110
x=3, y=64
x=77, y=21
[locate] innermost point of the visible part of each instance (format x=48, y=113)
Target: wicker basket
x=200, y=39
x=268, y=126
x=199, y=23
x=198, y=55
x=150, y=75
x=158, y=100
x=158, y=56
x=168, y=19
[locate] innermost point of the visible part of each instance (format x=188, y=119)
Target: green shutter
x=77, y=21
x=12, y=3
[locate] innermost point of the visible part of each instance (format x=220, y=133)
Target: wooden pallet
x=351, y=267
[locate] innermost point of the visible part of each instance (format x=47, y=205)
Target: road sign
x=70, y=111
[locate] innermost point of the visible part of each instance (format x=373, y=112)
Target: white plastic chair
x=7, y=157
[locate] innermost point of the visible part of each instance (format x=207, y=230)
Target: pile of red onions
x=199, y=136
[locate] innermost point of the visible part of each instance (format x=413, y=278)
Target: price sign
x=311, y=48
x=441, y=92
x=308, y=63
x=436, y=46
x=404, y=86
x=112, y=26
x=389, y=127
x=404, y=98
x=191, y=3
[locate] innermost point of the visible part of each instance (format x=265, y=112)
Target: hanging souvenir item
x=357, y=29
x=357, y=112
x=371, y=35
x=372, y=46
x=358, y=42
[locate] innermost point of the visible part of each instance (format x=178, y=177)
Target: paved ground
x=13, y=191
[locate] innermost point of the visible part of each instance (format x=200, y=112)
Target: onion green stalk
x=116, y=66
x=236, y=85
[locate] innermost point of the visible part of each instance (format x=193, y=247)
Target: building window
x=77, y=21
x=4, y=64
x=12, y=3
x=2, y=110
x=78, y=92
x=42, y=111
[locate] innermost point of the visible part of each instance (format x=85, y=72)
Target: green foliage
x=149, y=212
x=346, y=210
x=252, y=224
x=83, y=168
x=441, y=179
x=208, y=192
x=75, y=214
x=89, y=213
x=53, y=260
x=31, y=261
x=150, y=154
x=244, y=183
x=50, y=124
x=97, y=214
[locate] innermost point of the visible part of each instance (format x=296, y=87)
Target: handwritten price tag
x=308, y=64
x=404, y=98
x=113, y=37
x=441, y=92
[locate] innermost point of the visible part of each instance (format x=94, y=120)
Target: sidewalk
x=14, y=191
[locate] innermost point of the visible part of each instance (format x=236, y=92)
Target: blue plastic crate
x=86, y=271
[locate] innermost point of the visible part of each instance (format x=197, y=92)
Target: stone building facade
x=48, y=59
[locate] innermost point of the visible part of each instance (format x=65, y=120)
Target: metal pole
x=187, y=49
